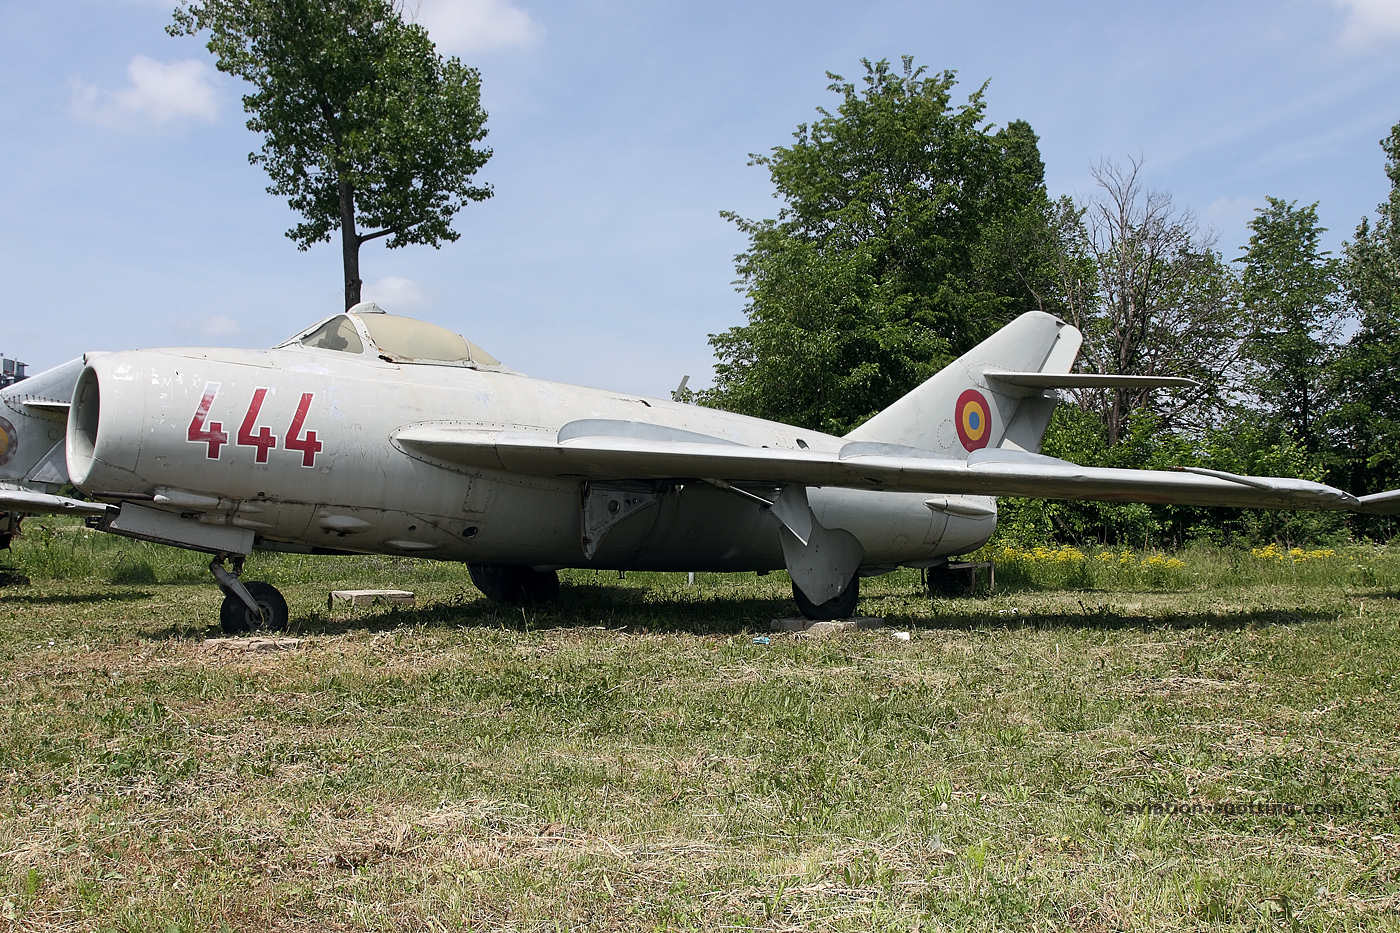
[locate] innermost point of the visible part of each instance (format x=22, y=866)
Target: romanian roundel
x=974, y=418
x=9, y=440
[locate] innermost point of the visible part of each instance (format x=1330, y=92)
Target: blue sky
x=129, y=215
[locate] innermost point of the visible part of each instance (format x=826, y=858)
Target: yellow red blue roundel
x=9, y=440
x=974, y=418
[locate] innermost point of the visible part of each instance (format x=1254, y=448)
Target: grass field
x=632, y=759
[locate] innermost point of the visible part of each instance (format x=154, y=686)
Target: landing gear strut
x=517, y=586
x=840, y=606
x=247, y=607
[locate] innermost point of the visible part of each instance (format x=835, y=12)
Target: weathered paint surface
x=296, y=444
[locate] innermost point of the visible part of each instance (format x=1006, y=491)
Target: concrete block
x=802, y=626
x=790, y=625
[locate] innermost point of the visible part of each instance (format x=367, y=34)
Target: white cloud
x=1370, y=22
x=397, y=295
x=157, y=93
x=465, y=26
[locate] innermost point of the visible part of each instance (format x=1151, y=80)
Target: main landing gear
x=247, y=607
x=515, y=586
x=840, y=606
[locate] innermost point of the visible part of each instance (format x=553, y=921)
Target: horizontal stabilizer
x=47, y=406
x=1087, y=381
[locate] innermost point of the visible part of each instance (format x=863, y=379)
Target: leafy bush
x=1068, y=567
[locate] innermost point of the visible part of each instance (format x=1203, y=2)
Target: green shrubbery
x=1200, y=566
x=63, y=549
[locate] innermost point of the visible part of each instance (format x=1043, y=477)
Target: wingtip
x=1380, y=503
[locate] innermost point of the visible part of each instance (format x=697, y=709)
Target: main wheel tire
x=515, y=586
x=235, y=618
x=538, y=586
x=840, y=606
x=498, y=584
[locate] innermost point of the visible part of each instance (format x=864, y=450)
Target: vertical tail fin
x=960, y=409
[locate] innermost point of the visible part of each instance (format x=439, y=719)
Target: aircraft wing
x=598, y=449
x=42, y=503
x=1381, y=503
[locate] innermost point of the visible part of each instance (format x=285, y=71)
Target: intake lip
x=84, y=417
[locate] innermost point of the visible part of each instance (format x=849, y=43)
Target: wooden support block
x=369, y=598
x=261, y=643
x=958, y=577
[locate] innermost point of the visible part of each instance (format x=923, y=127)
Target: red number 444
x=211, y=433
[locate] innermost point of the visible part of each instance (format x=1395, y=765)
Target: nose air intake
x=83, y=421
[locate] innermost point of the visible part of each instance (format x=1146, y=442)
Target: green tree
x=366, y=128
x=1079, y=435
x=1367, y=423
x=1292, y=298
x=911, y=229
x=1252, y=445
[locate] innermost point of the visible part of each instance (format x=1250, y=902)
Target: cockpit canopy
x=366, y=329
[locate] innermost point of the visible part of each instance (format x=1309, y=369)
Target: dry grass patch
x=631, y=759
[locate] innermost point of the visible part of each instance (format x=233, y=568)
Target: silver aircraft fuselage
x=374, y=433
x=297, y=444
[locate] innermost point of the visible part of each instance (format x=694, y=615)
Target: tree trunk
x=349, y=244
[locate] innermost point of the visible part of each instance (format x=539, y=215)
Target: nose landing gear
x=247, y=607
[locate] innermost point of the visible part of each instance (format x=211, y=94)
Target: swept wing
x=621, y=450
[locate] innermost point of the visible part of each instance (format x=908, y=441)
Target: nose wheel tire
x=235, y=618
x=840, y=606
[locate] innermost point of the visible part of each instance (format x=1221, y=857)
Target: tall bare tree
x=1160, y=302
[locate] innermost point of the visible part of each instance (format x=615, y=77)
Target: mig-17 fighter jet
x=375, y=433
